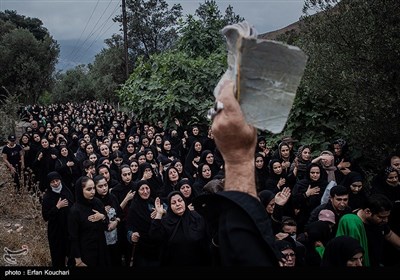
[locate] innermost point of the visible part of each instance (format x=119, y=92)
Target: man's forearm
x=240, y=177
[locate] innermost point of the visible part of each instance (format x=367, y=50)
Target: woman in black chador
x=183, y=233
x=86, y=225
x=141, y=212
x=56, y=205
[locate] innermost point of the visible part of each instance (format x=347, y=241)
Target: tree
x=173, y=85
x=26, y=71
x=151, y=27
x=180, y=83
x=108, y=70
x=351, y=86
x=74, y=85
x=200, y=33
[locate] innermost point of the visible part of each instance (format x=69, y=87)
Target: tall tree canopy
x=74, y=85
x=351, y=86
x=151, y=26
x=28, y=55
x=180, y=82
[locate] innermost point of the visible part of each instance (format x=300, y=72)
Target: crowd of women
x=121, y=192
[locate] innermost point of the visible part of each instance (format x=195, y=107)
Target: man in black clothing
x=244, y=230
x=375, y=215
x=13, y=157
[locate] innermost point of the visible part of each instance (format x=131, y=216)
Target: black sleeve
x=245, y=234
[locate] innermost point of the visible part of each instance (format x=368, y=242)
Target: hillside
x=273, y=35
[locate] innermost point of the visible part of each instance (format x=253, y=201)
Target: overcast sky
x=86, y=23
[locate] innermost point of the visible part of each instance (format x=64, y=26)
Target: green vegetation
x=351, y=86
x=28, y=55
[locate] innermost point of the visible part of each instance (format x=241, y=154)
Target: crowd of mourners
x=117, y=191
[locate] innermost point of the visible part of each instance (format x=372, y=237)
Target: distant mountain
x=72, y=55
x=273, y=35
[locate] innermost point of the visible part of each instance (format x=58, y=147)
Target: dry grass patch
x=21, y=226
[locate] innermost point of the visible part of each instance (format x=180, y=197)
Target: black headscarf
x=191, y=222
x=339, y=250
x=265, y=197
x=95, y=203
x=139, y=211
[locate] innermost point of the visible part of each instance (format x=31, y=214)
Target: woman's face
x=89, y=149
x=356, y=260
x=130, y=148
x=126, y=175
x=306, y=154
x=285, y=151
x=104, y=150
x=114, y=147
x=102, y=187
x=25, y=139
x=142, y=159
x=392, y=179
x=179, y=167
x=337, y=149
x=395, y=163
x=356, y=187
x=259, y=162
x=134, y=167
x=45, y=143
x=270, y=207
x=64, y=152
x=210, y=158
x=186, y=190
x=177, y=205
x=87, y=138
x=89, y=190
x=315, y=173
x=206, y=171
x=197, y=147
x=149, y=156
x=36, y=137
x=158, y=140
x=173, y=175
x=167, y=145
x=144, y=192
x=93, y=158
x=277, y=168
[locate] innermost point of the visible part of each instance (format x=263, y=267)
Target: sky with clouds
x=80, y=26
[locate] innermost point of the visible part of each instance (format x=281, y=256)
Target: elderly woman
x=183, y=233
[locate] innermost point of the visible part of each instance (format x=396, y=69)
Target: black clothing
x=57, y=227
x=238, y=217
x=88, y=240
x=184, y=239
x=147, y=250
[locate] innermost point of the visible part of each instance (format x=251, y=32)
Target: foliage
x=74, y=85
x=151, y=26
x=26, y=71
x=180, y=82
x=46, y=98
x=200, y=33
x=173, y=85
x=351, y=85
x=9, y=106
x=108, y=72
